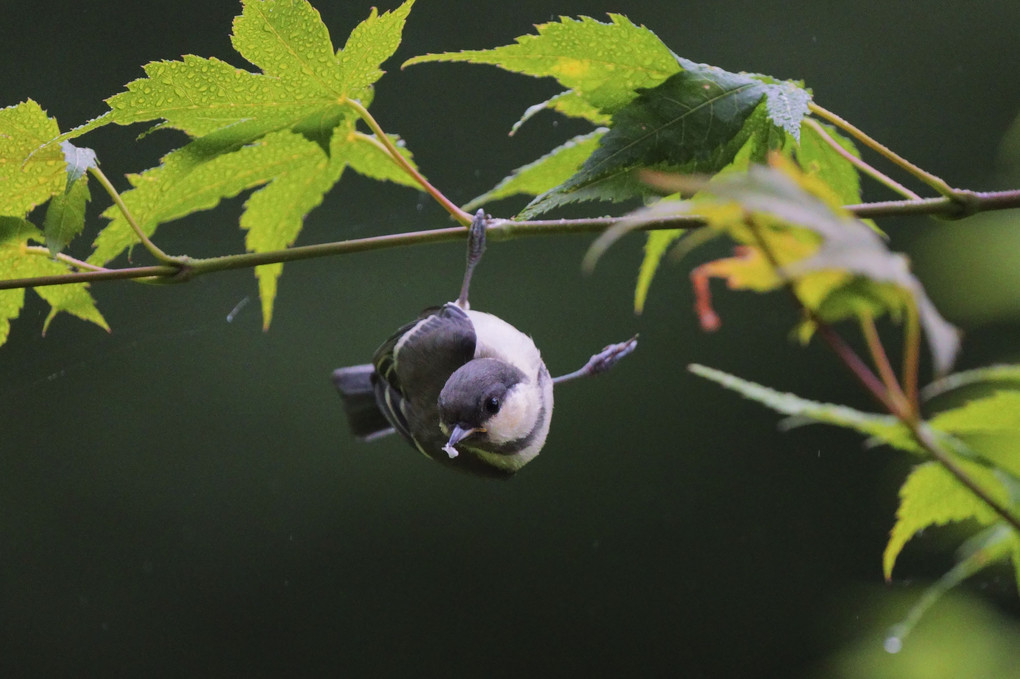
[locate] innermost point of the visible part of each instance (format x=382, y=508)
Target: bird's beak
x=458, y=434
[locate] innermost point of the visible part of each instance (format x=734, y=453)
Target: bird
x=464, y=387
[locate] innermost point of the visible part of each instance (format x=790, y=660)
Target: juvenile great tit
x=466, y=388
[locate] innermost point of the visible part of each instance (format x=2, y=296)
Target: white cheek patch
x=516, y=418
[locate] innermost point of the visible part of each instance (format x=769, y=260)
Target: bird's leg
x=475, y=249
x=601, y=362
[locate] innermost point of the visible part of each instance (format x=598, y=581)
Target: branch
x=180, y=270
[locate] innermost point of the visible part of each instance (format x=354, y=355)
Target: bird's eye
x=491, y=405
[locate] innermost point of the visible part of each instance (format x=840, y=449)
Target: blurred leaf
x=65, y=215
x=885, y=428
x=820, y=160
x=31, y=167
x=604, y=64
x=990, y=374
x=773, y=203
x=990, y=426
x=540, y=175
x=931, y=496
x=973, y=273
x=656, y=246
x=989, y=546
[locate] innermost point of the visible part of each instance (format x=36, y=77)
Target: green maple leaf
x=931, y=496
x=32, y=168
x=287, y=129
x=302, y=84
x=65, y=214
x=15, y=235
x=989, y=426
x=551, y=169
x=697, y=120
x=884, y=428
x=604, y=64
x=570, y=104
x=273, y=216
x=819, y=159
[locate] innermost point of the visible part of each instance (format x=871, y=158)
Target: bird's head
x=490, y=405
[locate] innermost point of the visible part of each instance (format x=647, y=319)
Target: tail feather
x=357, y=391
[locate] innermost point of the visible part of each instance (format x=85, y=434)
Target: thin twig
x=865, y=168
x=61, y=257
x=928, y=178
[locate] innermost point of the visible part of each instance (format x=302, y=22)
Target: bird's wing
x=412, y=366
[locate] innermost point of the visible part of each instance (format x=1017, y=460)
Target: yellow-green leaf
x=367, y=156
x=371, y=43
x=990, y=426
x=655, y=249
x=32, y=168
x=273, y=215
x=885, y=428
x=15, y=262
x=65, y=215
x=931, y=496
x=541, y=175
x=604, y=63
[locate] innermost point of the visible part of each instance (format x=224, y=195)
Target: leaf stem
x=61, y=257
x=462, y=217
x=153, y=249
x=912, y=356
x=928, y=178
x=867, y=169
x=885, y=370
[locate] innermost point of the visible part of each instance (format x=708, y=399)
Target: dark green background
x=182, y=498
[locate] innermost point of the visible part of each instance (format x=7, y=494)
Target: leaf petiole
x=905, y=406
x=865, y=168
x=153, y=249
x=928, y=178
x=460, y=215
